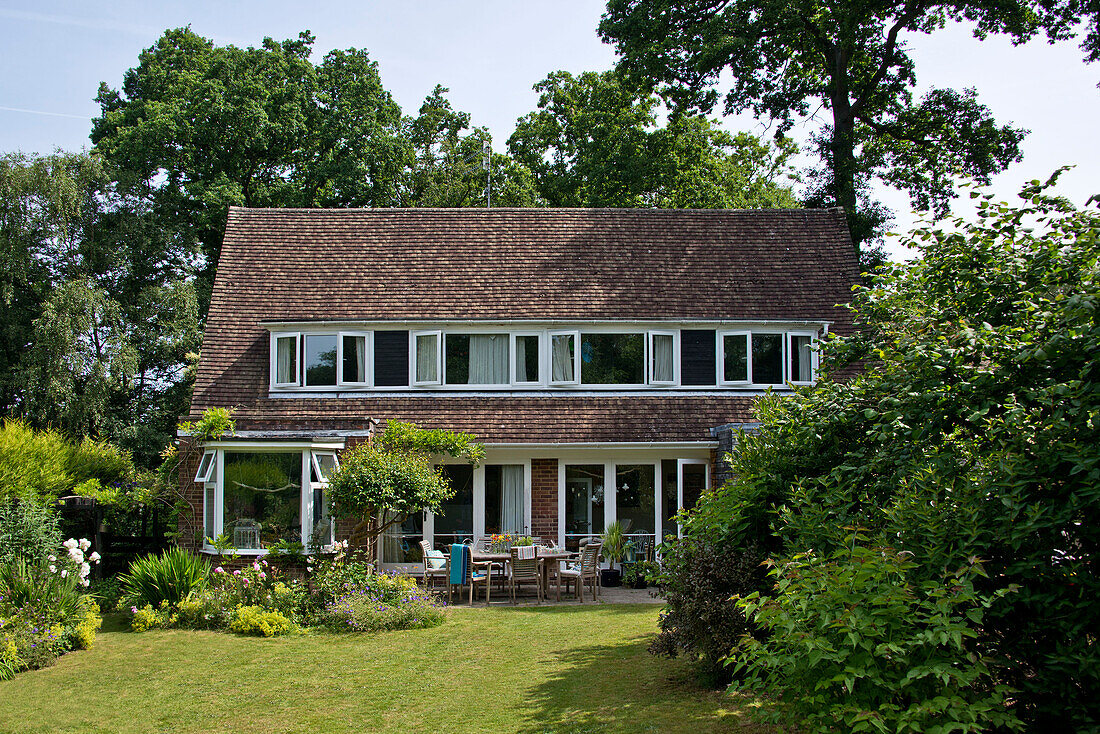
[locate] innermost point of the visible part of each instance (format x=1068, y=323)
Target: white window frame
x=414, y=342
x=321, y=484
x=301, y=360
x=549, y=361
x=650, y=352
x=209, y=462
x=625, y=330
x=513, y=336
x=368, y=356
x=722, y=357
x=275, y=337
x=787, y=344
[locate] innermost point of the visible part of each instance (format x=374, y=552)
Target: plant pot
x=610, y=577
x=639, y=583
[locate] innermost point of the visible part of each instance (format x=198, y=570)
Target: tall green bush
x=169, y=577
x=971, y=431
x=28, y=530
x=43, y=465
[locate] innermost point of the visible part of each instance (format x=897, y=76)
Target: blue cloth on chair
x=460, y=562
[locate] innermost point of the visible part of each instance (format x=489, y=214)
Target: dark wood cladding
x=391, y=358
x=698, y=357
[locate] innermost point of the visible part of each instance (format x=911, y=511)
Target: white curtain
x=521, y=360
x=360, y=358
x=662, y=358
x=286, y=366
x=488, y=359
x=511, y=499
x=427, y=346
x=802, y=344
x=561, y=353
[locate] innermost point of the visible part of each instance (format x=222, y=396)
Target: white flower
x=77, y=555
x=85, y=582
x=85, y=569
x=64, y=573
x=95, y=557
x=70, y=544
x=85, y=544
x=52, y=558
x=53, y=568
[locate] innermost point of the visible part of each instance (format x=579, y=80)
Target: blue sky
x=490, y=53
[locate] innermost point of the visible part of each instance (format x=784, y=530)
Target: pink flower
x=219, y=569
x=237, y=572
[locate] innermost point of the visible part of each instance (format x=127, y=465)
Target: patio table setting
x=548, y=558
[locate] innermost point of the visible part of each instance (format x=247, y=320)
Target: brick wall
x=190, y=520
x=544, y=498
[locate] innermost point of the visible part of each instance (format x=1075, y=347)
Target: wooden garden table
x=545, y=556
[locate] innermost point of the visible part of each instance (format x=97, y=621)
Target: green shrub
x=169, y=577
x=147, y=618
x=854, y=645
x=28, y=530
x=254, y=620
x=43, y=465
x=364, y=611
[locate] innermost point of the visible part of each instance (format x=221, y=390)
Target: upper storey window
x=596, y=357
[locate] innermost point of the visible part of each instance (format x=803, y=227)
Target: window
x=735, y=357
x=455, y=521
x=504, y=506
x=584, y=503
x=322, y=465
x=426, y=358
x=320, y=359
x=525, y=347
x=353, y=359
x=767, y=359
x=286, y=360
x=612, y=359
x=477, y=359
x=662, y=358
x=207, y=471
x=564, y=362
x=262, y=498
x=635, y=501
x=800, y=358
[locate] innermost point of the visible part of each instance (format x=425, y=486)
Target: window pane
x=455, y=522
x=324, y=462
x=695, y=481
x=477, y=359
x=263, y=498
x=504, y=510
x=584, y=501
x=612, y=359
x=801, y=361
x=767, y=359
x=355, y=359
x=669, y=504
x=661, y=368
x=561, y=353
x=286, y=359
x=208, y=512
x=634, y=498
x=527, y=359
x=736, y=359
x=426, y=363
x=320, y=359
x=321, y=534
x=401, y=541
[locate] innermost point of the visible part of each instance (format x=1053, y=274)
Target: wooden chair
x=587, y=570
x=525, y=571
x=479, y=572
x=433, y=569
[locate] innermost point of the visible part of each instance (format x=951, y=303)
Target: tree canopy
x=596, y=142
x=785, y=60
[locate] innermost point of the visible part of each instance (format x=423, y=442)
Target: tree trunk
x=842, y=145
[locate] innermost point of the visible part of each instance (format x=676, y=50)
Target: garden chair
x=525, y=570
x=587, y=570
x=435, y=564
x=464, y=571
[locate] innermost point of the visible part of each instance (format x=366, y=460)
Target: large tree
x=785, y=60
x=596, y=142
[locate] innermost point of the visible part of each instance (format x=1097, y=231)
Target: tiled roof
x=503, y=264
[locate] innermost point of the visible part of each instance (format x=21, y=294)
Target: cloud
x=43, y=112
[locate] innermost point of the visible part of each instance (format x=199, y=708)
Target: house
x=593, y=352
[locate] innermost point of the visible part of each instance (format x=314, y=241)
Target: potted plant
x=615, y=546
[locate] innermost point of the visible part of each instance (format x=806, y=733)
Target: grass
x=554, y=669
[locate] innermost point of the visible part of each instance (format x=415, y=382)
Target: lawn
x=559, y=669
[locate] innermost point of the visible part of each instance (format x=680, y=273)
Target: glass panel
x=504, y=510
x=695, y=482
x=286, y=360
x=561, y=353
x=263, y=498
x=668, y=497
x=767, y=359
x=455, y=522
x=634, y=504
x=612, y=359
x=324, y=464
x=355, y=359
x=584, y=502
x=320, y=359
x=661, y=368
x=208, y=512
x=801, y=361
x=203, y=473
x=735, y=367
x=321, y=534
x=401, y=541
x=427, y=367
x=477, y=359
x=527, y=359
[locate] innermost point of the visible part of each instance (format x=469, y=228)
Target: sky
x=490, y=53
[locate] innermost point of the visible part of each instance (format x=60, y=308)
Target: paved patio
x=615, y=595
